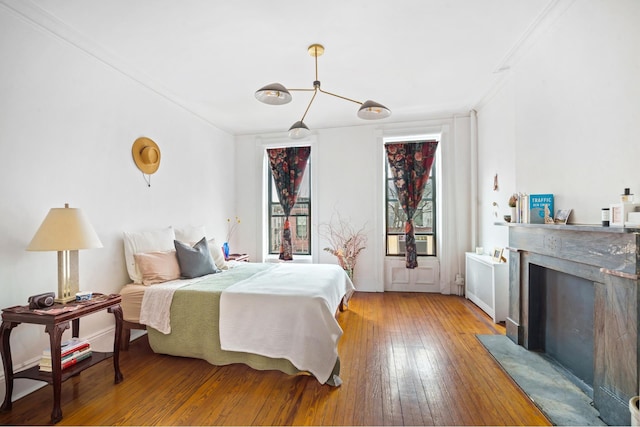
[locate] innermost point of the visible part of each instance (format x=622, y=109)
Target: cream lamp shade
x=65, y=230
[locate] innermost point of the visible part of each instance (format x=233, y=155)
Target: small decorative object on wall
x=146, y=156
x=345, y=242
x=495, y=183
x=562, y=215
x=496, y=208
x=496, y=255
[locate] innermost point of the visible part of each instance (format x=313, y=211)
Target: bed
x=278, y=316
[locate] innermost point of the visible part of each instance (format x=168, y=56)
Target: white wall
x=349, y=165
x=66, y=130
x=566, y=120
x=496, y=156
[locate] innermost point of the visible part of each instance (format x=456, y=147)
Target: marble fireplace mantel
x=608, y=257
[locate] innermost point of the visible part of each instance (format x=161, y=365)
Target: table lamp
x=65, y=230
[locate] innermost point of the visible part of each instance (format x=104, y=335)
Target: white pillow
x=190, y=234
x=218, y=256
x=145, y=241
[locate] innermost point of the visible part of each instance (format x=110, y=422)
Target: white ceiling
x=417, y=57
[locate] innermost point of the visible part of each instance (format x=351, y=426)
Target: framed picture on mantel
x=562, y=215
x=496, y=255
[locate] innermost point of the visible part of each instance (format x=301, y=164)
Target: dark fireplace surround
x=609, y=258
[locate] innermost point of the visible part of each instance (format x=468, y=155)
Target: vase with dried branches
x=231, y=228
x=345, y=242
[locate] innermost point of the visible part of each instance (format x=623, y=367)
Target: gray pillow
x=194, y=261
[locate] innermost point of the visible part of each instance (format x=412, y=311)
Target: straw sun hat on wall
x=146, y=155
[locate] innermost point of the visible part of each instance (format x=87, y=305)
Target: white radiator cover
x=487, y=285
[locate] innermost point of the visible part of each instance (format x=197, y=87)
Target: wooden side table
x=56, y=322
x=238, y=257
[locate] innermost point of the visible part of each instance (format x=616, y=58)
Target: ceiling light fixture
x=277, y=94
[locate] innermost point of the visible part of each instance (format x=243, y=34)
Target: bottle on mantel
x=605, y=217
x=627, y=197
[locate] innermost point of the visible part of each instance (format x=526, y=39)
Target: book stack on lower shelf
x=72, y=352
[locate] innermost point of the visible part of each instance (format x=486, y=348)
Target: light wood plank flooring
x=407, y=359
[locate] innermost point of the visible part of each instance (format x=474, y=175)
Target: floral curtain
x=287, y=167
x=410, y=164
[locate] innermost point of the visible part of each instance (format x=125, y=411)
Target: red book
x=74, y=344
x=75, y=350
x=76, y=358
x=70, y=360
x=69, y=347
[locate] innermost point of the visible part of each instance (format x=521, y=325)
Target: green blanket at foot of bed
x=194, y=325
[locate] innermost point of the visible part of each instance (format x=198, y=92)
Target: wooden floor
x=407, y=359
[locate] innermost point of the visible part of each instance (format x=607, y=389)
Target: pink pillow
x=157, y=267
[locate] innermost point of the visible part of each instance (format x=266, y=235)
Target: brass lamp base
x=64, y=300
x=67, y=276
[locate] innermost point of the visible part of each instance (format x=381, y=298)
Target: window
x=299, y=219
x=424, y=220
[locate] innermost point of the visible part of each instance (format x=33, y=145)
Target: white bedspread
x=156, y=303
x=287, y=312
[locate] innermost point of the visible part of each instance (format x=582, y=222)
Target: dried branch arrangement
x=231, y=227
x=345, y=242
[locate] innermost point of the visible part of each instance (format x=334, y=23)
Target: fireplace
x=573, y=293
x=561, y=318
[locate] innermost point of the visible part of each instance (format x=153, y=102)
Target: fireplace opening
x=561, y=319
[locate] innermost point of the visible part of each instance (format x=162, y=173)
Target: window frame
x=294, y=227
x=433, y=183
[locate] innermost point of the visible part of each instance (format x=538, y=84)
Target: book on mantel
x=539, y=206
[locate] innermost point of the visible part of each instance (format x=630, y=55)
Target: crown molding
x=543, y=23
x=49, y=24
